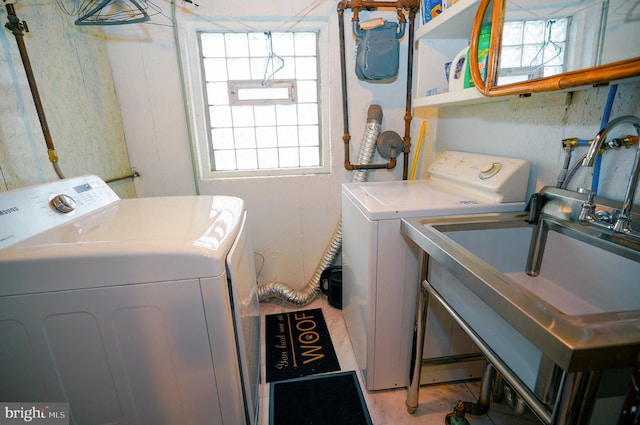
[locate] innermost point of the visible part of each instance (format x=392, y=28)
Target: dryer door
x=246, y=315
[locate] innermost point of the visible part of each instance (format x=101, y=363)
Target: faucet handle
x=588, y=207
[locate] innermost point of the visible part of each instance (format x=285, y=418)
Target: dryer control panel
x=31, y=210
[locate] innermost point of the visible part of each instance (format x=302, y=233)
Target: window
x=532, y=49
x=262, y=99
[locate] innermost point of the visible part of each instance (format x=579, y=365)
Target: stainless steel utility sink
x=552, y=299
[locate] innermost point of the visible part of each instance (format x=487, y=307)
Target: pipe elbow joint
x=391, y=164
x=570, y=143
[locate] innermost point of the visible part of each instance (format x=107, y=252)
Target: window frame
x=195, y=96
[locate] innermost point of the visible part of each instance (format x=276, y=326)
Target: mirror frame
x=602, y=74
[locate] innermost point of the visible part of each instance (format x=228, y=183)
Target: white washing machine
x=132, y=311
x=380, y=266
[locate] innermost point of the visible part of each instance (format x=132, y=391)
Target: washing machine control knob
x=489, y=170
x=63, y=203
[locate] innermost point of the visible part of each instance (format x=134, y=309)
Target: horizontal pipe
x=355, y=4
x=133, y=175
x=389, y=166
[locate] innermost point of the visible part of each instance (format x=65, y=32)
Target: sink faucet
x=623, y=221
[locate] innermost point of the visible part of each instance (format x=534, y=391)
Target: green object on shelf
x=484, y=41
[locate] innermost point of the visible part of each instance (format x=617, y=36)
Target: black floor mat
x=298, y=344
x=332, y=399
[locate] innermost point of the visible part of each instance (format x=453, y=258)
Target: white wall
x=292, y=218
x=72, y=73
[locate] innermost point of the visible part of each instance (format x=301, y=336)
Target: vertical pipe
x=15, y=27
x=407, y=115
x=484, y=398
x=346, y=137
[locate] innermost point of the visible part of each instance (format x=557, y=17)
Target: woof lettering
x=306, y=325
x=299, y=344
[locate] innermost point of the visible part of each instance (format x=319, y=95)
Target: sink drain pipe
x=301, y=297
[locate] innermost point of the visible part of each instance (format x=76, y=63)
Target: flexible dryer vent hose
x=301, y=297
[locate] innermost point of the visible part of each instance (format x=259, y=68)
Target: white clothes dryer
x=132, y=311
x=380, y=266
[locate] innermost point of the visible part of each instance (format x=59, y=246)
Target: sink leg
x=418, y=340
x=577, y=397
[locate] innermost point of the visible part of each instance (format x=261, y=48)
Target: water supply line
x=17, y=28
x=569, y=144
x=301, y=297
x=606, y=114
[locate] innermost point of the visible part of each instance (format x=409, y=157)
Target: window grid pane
x=532, y=49
x=262, y=136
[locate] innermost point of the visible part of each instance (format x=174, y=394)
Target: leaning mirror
x=542, y=45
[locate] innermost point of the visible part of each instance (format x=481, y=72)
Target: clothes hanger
x=276, y=62
x=113, y=12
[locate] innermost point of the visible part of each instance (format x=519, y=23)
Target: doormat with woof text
x=298, y=344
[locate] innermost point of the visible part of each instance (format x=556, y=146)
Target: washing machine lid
x=460, y=183
x=419, y=198
x=127, y=241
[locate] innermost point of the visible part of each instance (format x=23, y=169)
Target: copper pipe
x=407, y=115
x=412, y=5
x=400, y=4
x=346, y=137
x=133, y=175
x=16, y=27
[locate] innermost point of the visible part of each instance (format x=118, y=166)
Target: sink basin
x=580, y=302
x=553, y=304
x=575, y=279
x=550, y=304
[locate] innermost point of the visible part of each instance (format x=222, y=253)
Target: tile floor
x=388, y=407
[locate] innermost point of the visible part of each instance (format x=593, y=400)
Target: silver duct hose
x=301, y=297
